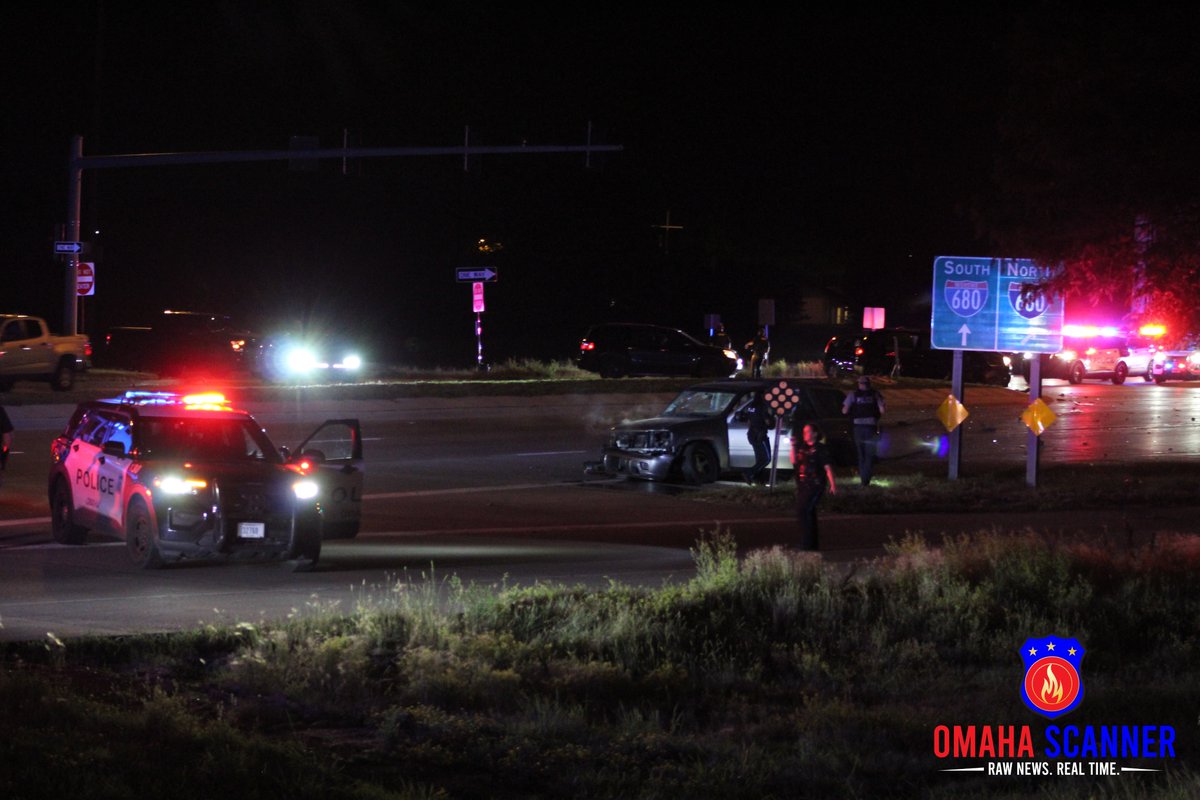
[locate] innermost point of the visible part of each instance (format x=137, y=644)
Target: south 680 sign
x=994, y=304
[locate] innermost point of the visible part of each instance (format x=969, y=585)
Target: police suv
x=187, y=476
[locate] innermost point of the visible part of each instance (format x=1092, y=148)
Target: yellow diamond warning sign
x=952, y=413
x=1038, y=417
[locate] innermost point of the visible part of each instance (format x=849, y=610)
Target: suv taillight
x=586, y=345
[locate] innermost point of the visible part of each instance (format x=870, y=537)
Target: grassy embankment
x=774, y=675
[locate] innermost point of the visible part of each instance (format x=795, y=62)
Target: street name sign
x=475, y=275
x=993, y=304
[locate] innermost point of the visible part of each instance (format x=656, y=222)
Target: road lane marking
x=463, y=490
x=553, y=453
x=13, y=523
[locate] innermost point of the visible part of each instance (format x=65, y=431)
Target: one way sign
x=476, y=275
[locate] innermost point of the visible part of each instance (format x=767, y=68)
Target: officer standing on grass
x=865, y=407
x=813, y=472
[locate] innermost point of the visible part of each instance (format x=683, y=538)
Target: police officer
x=759, y=421
x=760, y=349
x=865, y=407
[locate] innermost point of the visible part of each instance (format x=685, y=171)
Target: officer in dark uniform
x=865, y=407
x=759, y=421
x=760, y=349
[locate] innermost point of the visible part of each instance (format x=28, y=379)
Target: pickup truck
x=28, y=351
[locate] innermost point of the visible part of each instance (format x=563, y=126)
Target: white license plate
x=252, y=530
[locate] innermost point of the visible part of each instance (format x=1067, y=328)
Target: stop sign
x=85, y=278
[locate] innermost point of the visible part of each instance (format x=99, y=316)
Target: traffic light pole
x=77, y=163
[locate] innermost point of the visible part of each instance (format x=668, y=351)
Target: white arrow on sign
x=68, y=247
x=965, y=331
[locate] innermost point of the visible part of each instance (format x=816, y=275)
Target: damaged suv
x=701, y=434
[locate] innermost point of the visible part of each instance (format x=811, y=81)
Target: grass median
x=770, y=675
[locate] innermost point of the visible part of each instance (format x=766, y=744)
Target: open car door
x=335, y=449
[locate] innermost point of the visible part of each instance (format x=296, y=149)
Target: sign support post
x=956, y=389
x=1033, y=448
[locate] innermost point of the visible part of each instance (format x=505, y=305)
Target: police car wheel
x=1120, y=373
x=62, y=523
x=1077, y=373
x=139, y=537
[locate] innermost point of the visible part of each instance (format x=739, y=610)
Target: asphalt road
x=492, y=491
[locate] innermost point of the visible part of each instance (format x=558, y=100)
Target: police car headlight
x=351, y=361
x=305, y=490
x=731, y=355
x=176, y=485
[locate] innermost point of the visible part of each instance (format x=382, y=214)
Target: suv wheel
x=1077, y=372
x=700, y=464
x=62, y=523
x=611, y=367
x=1119, y=373
x=139, y=537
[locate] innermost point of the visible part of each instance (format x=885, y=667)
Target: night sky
x=794, y=148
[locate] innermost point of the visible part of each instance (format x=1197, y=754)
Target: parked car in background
x=29, y=351
x=178, y=343
x=701, y=434
x=614, y=350
x=905, y=352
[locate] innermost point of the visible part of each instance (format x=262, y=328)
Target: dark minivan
x=617, y=349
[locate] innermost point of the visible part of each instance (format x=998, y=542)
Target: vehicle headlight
x=300, y=359
x=1008, y=361
x=305, y=490
x=642, y=441
x=730, y=354
x=352, y=361
x=174, y=484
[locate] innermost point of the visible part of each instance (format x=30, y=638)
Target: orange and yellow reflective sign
x=1038, y=417
x=952, y=413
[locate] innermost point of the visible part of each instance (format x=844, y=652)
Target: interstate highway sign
x=979, y=304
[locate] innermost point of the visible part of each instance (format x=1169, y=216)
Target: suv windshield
x=216, y=439
x=699, y=404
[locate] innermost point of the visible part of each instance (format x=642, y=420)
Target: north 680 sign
x=994, y=304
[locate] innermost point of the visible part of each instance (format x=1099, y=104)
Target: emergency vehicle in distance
x=1101, y=352
x=187, y=476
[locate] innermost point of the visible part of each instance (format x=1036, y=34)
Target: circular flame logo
x=1053, y=685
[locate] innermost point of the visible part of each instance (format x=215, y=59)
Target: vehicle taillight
x=858, y=351
x=586, y=345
